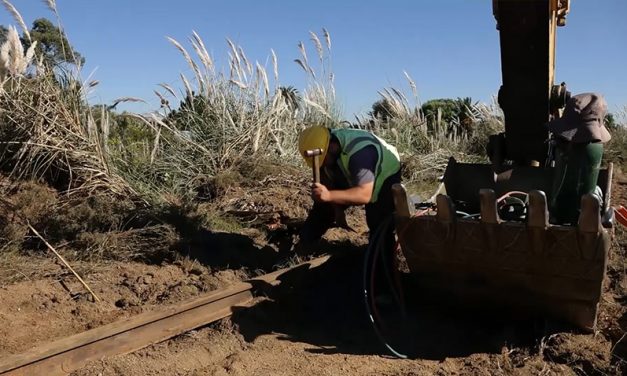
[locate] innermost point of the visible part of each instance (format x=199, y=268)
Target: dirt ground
x=315, y=325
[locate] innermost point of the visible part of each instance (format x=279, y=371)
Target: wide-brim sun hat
x=582, y=120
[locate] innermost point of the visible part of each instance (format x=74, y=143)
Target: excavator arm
x=527, y=30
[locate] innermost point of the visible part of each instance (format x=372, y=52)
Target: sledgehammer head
x=313, y=152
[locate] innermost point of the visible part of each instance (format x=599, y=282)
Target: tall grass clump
x=228, y=117
x=56, y=170
x=426, y=143
x=47, y=130
x=616, y=149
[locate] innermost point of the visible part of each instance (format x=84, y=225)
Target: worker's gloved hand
x=320, y=193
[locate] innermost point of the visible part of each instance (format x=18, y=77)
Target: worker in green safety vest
x=358, y=168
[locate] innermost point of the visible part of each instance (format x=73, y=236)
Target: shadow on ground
x=224, y=250
x=229, y=250
x=325, y=307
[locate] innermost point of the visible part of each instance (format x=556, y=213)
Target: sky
x=449, y=47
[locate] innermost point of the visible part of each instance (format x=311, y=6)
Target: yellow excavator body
x=540, y=268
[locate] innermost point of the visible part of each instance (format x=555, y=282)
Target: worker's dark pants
x=322, y=215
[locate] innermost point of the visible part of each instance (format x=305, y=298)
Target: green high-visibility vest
x=353, y=140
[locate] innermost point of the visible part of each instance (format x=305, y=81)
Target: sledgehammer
x=339, y=214
x=315, y=154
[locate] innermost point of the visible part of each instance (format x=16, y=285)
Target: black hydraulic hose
x=376, y=245
x=387, y=268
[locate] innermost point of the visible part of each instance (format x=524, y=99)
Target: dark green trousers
x=576, y=172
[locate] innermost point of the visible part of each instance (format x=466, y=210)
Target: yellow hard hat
x=316, y=137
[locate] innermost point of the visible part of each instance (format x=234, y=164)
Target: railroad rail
x=122, y=337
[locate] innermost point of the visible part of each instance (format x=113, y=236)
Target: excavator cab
x=491, y=237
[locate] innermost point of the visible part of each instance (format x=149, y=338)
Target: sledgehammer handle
x=316, y=169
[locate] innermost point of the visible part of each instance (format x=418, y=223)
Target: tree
x=451, y=110
x=464, y=111
x=289, y=95
x=52, y=44
x=382, y=110
x=444, y=110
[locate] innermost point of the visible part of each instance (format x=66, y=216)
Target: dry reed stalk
x=327, y=38
x=50, y=247
x=17, y=17
x=12, y=58
x=246, y=63
x=52, y=5
x=318, y=45
x=127, y=99
x=155, y=148
x=170, y=90
x=275, y=67
x=414, y=89
x=201, y=51
x=302, y=65
x=241, y=85
x=235, y=58
x=164, y=102
x=188, y=89
x=264, y=77
x=303, y=53
x=190, y=62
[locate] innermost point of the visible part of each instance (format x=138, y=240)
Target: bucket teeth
x=590, y=214
x=538, y=214
x=402, y=204
x=487, y=199
x=446, y=209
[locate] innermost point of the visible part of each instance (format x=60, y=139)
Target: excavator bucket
x=465, y=249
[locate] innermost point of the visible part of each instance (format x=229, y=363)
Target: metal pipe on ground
x=68, y=354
